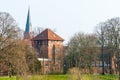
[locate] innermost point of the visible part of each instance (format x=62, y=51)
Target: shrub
x=74, y=74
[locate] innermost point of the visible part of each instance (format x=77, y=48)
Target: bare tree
x=100, y=35
x=8, y=30
x=108, y=36
x=13, y=52
x=8, y=33
x=82, y=51
x=37, y=30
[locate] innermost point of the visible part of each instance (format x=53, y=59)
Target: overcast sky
x=67, y=17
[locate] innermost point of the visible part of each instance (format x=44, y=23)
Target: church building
x=49, y=47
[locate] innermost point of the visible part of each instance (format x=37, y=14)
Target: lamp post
x=102, y=62
x=102, y=52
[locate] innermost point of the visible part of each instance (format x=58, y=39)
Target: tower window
x=42, y=35
x=46, y=64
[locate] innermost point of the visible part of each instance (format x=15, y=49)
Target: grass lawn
x=65, y=77
x=7, y=78
x=100, y=77
x=108, y=77
x=41, y=77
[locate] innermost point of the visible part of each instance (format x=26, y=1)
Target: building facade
x=50, y=50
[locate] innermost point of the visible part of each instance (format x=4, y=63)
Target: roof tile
x=48, y=34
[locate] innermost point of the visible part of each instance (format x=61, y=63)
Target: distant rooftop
x=48, y=34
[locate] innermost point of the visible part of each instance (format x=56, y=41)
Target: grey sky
x=66, y=16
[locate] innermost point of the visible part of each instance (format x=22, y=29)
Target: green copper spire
x=28, y=22
x=28, y=29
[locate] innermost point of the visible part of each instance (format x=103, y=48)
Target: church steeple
x=28, y=29
x=28, y=22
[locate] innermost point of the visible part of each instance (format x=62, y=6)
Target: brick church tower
x=50, y=48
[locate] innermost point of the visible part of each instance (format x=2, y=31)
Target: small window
x=46, y=65
x=42, y=35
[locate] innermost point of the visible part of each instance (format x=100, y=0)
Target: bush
x=74, y=74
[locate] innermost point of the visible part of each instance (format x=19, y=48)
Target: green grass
x=40, y=77
x=100, y=77
x=65, y=77
x=108, y=77
x=50, y=77
x=7, y=78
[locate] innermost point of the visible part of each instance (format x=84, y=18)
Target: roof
x=48, y=34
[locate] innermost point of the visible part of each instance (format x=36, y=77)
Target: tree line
x=84, y=50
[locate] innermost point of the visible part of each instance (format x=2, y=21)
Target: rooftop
x=48, y=34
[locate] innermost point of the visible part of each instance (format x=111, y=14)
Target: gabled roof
x=48, y=34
